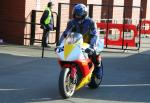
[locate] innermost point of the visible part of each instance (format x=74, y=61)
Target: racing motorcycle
x=76, y=66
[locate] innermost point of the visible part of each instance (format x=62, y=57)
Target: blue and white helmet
x=80, y=10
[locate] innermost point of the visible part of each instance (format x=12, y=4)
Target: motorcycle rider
x=80, y=23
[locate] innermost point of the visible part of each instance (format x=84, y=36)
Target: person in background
x=46, y=22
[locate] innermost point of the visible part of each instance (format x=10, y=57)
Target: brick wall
x=13, y=28
x=118, y=11
x=96, y=9
x=147, y=12
x=144, y=6
x=29, y=6
x=13, y=17
x=136, y=12
x=128, y=10
x=40, y=5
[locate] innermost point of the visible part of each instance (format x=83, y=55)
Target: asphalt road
x=25, y=77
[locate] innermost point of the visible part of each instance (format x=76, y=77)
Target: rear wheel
x=66, y=86
x=95, y=82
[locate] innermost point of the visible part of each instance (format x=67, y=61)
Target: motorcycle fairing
x=72, y=52
x=84, y=67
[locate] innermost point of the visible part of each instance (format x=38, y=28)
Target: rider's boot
x=98, y=66
x=96, y=59
x=97, y=71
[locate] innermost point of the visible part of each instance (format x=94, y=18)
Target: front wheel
x=66, y=86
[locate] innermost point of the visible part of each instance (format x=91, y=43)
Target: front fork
x=73, y=74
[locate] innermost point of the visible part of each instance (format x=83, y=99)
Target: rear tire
x=95, y=82
x=66, y=87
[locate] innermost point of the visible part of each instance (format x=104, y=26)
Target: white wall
x=136, y=12
x=148, y=12
x=118, y=11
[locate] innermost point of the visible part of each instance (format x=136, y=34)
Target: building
x=15, y=15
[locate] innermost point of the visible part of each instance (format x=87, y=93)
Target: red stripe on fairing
x=83, y=64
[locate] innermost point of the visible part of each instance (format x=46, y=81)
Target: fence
x=127, y=28
x=126, y=34
x=34, y=32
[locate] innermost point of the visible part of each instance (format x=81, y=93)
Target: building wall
x=14, y=27
x=29, y=6
x=147, y=12
x=128, y=8
x=144, y=8
x=39, y=6
x=96, y=9
x=118, y=11
x=107, y=11
x=12, y=18
x=136, y=12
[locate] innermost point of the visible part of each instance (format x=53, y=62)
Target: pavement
x=25, y=77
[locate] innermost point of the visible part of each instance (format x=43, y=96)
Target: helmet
x=50, y=4
x=80, y=10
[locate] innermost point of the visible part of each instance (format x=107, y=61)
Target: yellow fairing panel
x=68, y=49
x=86, y=79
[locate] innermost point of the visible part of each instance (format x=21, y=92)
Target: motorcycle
x=76, y=65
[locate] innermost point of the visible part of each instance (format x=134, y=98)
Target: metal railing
x=35, y=26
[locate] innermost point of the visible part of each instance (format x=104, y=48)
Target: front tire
x=66, y=87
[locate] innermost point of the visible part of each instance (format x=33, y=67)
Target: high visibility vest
x=48, y=19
